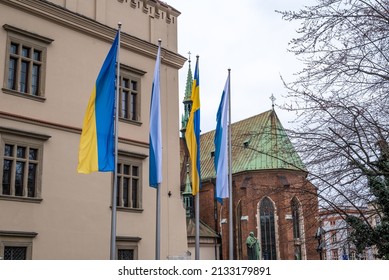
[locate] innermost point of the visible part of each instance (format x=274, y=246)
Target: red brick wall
x=248, y=190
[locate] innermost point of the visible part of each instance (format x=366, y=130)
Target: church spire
x=187, y=195
x=187, y=99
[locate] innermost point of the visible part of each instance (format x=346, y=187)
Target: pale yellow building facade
x=50, y=55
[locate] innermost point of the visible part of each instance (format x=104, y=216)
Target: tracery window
x=296, y=228
x=268, y=236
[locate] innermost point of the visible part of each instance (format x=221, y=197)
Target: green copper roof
x=258, y=143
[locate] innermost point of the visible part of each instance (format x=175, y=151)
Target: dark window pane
x=31, y=183
x=19, y=178
x=125, y=83
x=125, y=254
x=33, y=154
x=134, y=85
x=14, y=48
x=125, y=192
x=12, y=73
x=135, y=171
x=25, y=52
x=295, y=218
x=35, y=79
x=15, y=253
x=24, y=76
x=21, y=152
x=133, y=109
x=135, y=193
x=7, y=170
x=37, y=55
x=8, y=150
x=118, y=191
x=126, y=169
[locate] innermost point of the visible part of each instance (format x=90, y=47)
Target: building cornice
x=90, y=27
x=29, y=234
x=71, y=129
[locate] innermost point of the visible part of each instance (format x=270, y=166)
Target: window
x=335, y=255
x=128, y=194
x=21, y=164
x=25, y=64
x=127, y=248
x=129, y=99
x=295, y=218
x=125, y=254
x=129, y=181
x=296, y=228
x=15, y=245
x=268, y=237
x=129, y=94
x=334, y=238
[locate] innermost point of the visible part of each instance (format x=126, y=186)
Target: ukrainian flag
x=97, y=143
x=192, y=134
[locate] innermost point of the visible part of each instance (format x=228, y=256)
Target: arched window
x=296, y=218
x=268, y=236
x=296, y=228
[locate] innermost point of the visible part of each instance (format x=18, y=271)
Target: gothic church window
x=296, y=228
x=267, y=224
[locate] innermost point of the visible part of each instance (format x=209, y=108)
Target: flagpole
x=158, y=225
x=197, y=200
x=197, y=226
x=158, y=210
x=158, y=198
x=231, y=240
x=114, y=191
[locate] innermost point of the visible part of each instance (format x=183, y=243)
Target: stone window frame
x=25, y=139
x=277, y=252
x=300, y=241
x=33, y=42
x=17, y=239
x=130, y=159
x=133, y=76
x=127, y=243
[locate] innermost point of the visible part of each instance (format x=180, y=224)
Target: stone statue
x=252, y=247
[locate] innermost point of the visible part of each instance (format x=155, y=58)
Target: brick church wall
x=249, y=188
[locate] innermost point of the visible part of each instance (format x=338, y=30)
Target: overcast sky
x=247, y=36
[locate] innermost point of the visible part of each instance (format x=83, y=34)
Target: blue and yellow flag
x=97, y=143
x=192, y=134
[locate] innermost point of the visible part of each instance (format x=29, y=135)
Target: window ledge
x=127, y=209
x=24, y=95
x=138, y=123
x=20, y=198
